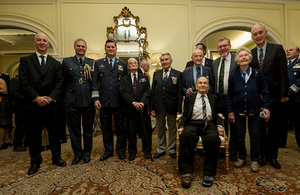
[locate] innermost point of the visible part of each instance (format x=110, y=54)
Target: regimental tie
x=204, y=111
x=165, y=76
x=289, y=63
x=244, y=76
x=80, y=60
x=134, y=82
x=261, y=58
x=221, y=79
x=42, y=63
x=198, y=71
x=110, y=63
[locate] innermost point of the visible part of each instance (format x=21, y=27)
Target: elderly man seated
x=200, y=118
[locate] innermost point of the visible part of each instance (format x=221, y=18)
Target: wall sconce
x=93, y=56
x=155, y=61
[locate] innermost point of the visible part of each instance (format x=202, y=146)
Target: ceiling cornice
x=261, y=1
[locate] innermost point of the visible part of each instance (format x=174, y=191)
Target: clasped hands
x=139, y=105
x=43, y=100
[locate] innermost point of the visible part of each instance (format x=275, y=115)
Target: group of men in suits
x=270, y=58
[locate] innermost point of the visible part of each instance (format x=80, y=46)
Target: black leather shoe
x=262, y=161
x=275, y=163
x=76, y=160
x=33, y=169
x=59, y=162
x=158, y=155
x=105, y=156
x=121, y=156
x=131, y=156
x=86, y=159
x=173, y=155
x=147, y=155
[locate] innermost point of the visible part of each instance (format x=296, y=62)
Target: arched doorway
x=16, y=40
x=215, y=27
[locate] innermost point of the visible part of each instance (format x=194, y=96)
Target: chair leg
x=227, y=159
x=177, y=152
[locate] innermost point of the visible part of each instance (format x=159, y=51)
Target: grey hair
x=170, y=57
x=243, y=49
x=80, y=39
x=261, y=24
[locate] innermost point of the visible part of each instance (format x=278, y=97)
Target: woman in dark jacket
x=247, y=92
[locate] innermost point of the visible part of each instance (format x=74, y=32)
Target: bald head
x=292, y=52
x=145, y=66
x=41, y=43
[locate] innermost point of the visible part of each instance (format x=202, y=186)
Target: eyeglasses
x=222, y=46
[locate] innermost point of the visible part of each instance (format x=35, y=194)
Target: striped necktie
x=204, y=111
x=198, y=71
x=221, y=79
x=165, y=76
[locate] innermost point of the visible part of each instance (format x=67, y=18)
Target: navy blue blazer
x=244, y=97
x=274, y=70
x=142, y=92
x=78, y=88
x=294, y=81
x=188, y=79
x=106, y=81
x=169, y=95
x=189, y=102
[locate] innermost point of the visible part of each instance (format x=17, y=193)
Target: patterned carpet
x=142, y=176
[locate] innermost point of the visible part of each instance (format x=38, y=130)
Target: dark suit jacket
x=294, y=80
x=142, y=92
x=78, y=89
x=188, y=78
x=106, y=80
x=35, y=83
x=208, y=63
x=216, y=63
x=140, y=71
x=169, y=95
x=274, y=69
x=189, y=105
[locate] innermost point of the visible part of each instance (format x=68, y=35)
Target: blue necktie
x=42, y=63
x=198, y=72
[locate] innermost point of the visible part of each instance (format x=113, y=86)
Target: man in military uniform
x=78, y=101
x=106, y=97
x=293, y=68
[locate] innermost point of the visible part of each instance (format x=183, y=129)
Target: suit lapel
x=129, y=83
x=267, y=54
x=191, y=105
x=190, y=74
x=160, y=77
x=36, y=62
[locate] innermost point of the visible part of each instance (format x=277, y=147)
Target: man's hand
x=180, y=130
x=268, y=113
x=231, y=117
x=153, y=113
x=97, y=104
x=41, y=100
x=284, y=99
x=189, y=91
x=49, y=99
x=220, y=130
